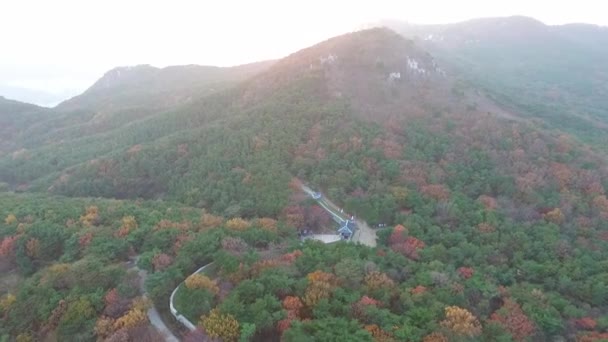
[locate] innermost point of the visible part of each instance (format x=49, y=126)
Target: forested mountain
x=554, y=73
x=496, y=219
x=145, y=86
x=122, y=97
x=15, y=116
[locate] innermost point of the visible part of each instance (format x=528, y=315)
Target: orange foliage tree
x=104, y=327
x=377, y=280
x=237, y=223
x=316, y=291
x=555, y=216
x=465, y=272
x=218, y=325
x=268, y=224
x=10, y=219
x=128, y=225
x=320, y=276
x=199, y=281
x=91, y=216
x=461, y=322
x=210, y=221
x=435, y=337
x=32, y=248
x=378, y=334
x=134, y=317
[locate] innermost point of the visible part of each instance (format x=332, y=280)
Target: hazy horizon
x=58, y=49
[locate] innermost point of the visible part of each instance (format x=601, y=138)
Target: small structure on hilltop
x=346, y=229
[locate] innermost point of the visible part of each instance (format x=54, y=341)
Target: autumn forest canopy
x=476, y=156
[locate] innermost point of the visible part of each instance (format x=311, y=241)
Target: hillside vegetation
x=495, y=222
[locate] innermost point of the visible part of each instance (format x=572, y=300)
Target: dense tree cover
x=75, y=261
x=496, y=227
x=319, y=292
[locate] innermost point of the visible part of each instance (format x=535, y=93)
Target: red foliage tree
x=586, y=323
x=7, y=246
x=283, y=325
x=409, y=247
x=294, y=216
x=436, y=191
x=488, y=202
x=465, y=272
x=85, y=240
x=514, y=320
x=290, y=258
x=115, y=305
x=291, y=303
x=161, y=261
x=418, y=290
x=316, y=217
x=592, y=337
x=397, y=236
x=358, y=308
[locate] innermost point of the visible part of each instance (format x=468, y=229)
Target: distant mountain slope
x=148, y=86
x=372, y=75
x=554, y=73
x=125, y=95
x=14, y=116
x=359, y=115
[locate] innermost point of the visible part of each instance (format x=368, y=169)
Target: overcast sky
x=63, y=46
